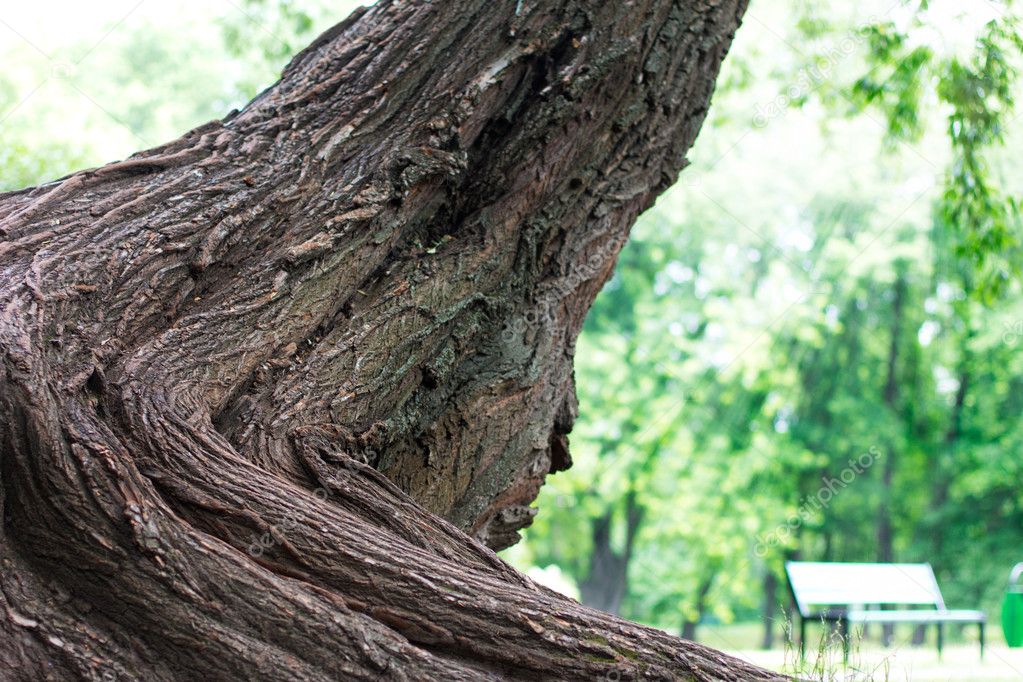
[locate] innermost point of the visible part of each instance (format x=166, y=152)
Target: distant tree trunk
x=689, y=626
x=769, y=609
x=944, y=463
x=885, y=533
x=827, y=535
x=607, y=581
x=257, y=384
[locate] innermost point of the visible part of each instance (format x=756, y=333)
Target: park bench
x=858, y=594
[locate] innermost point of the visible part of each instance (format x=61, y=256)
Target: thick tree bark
x=256, y=383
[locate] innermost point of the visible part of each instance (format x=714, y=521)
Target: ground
x=874, y=663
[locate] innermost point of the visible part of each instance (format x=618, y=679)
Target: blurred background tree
x=835, y=280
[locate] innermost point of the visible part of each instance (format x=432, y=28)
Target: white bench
x=844, y=594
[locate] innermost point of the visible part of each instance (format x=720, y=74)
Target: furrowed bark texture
x=258, y=384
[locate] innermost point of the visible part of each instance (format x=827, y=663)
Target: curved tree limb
x=247, y=375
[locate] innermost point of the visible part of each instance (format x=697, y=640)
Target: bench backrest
x=829, y=584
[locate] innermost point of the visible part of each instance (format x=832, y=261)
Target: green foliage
x=24, y=163
x=265, y=34
x=145, y=77
x=808, y=299
x=982, y=223
x=895, y=83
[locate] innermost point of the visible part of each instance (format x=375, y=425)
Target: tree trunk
x=944, y=463
x=257, y=384
x=689, y=626
x=769, y=608
x=607, y=582
x=885, y=531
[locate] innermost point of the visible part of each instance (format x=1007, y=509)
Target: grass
x=869, y=661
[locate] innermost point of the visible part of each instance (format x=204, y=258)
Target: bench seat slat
x=906, y=616
x=917, y=616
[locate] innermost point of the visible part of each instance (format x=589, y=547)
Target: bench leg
x=846, y=634
x=802, y=640
x=981, y=641
x=941, y=638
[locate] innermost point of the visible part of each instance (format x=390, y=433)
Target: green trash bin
x=1012, y=609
